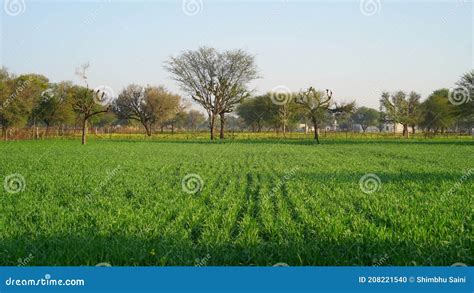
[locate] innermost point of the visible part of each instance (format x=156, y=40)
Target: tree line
x=219, y=83
x=31, y=100
x=443, y=110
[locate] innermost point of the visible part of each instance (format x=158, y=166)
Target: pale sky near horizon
x=414, y=45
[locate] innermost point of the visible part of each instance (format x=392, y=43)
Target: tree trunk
x=316, y=135
x=221, y=134
x=46, y=132
x=147, y=129
x=84, y=131
x=5, y=133
x=161, y=126
x=405, y=130
x=413, y=129
x=212, y=120
x=75, y=125
x=35, y=130
x=172, y=128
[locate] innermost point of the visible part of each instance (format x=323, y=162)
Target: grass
x=261, y=202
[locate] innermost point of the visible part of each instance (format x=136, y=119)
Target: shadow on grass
x=308, y=142
x=188, y=246
x=385, y=177
x=91, y=249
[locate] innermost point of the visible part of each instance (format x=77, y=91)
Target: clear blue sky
x=419, y=46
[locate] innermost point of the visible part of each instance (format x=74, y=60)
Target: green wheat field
x=239, y=202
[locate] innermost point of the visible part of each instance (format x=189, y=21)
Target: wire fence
x=136, y=133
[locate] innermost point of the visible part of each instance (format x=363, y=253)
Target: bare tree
x=217, y=81
x=317, y=104
x=177, y=114
x=148, y=105
x=194, y=119
x=286, y=110
x=87, y=102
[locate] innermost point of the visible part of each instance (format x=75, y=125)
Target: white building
x=386, y=128
x=389, y=128
x=358, y=128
